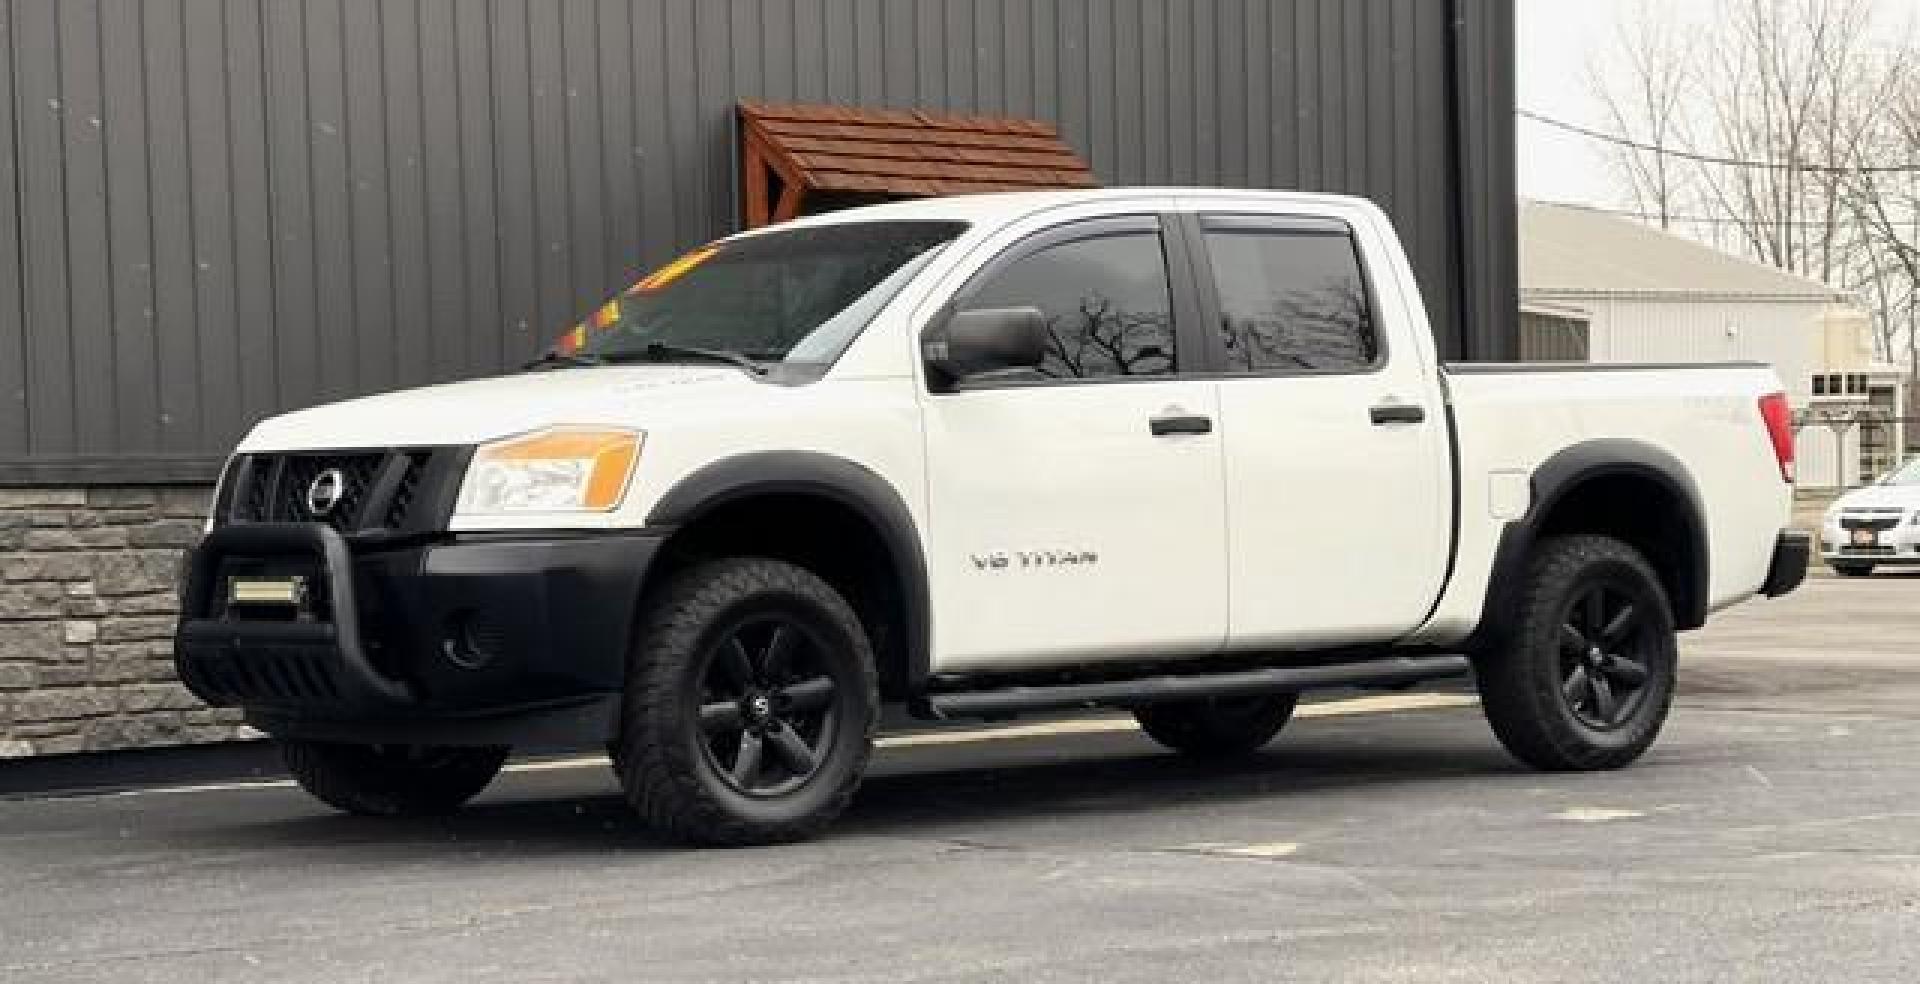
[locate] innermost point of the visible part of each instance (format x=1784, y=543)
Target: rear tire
x=392, y=780
x=1583, y=677
x=1853, y=570
x=750, y=705
x=1219, y=727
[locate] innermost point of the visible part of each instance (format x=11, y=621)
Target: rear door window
x=1292, y=300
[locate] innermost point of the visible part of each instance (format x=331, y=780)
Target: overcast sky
x=1555, y=39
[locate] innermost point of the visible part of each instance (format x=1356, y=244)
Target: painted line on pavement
x=1277, y=849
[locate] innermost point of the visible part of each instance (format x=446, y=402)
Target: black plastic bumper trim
x=321, y=662
x=459, y=629
x=1791, y=553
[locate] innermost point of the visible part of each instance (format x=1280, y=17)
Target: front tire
x=1584, y=676
x=392, y=780
x=1853, y=570
x=750, y=705
x=1219, y=727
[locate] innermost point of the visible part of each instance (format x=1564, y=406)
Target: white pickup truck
x=1185, y=453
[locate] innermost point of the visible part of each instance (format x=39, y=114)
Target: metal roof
x=913, y=152
x=1569, y=251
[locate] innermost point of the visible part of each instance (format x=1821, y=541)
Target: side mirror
x=983, y=340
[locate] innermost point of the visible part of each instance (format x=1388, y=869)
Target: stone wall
x=87, y=602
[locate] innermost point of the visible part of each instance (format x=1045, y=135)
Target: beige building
x=1601, y=288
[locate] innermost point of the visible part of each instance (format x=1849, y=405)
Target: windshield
x=1907, y=474
x=799, y=296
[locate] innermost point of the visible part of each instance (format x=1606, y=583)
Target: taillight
x=1779, y=418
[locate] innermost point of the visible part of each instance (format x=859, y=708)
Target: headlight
x=563, y=469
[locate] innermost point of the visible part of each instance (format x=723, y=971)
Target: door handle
x=1398, y=413
x=1191, y=424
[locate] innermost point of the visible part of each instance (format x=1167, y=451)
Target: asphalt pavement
x=1773, y=834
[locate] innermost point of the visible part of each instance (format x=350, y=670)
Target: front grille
x=1869, y=523
x=250, y=502
x=404, y=493
x=398, y=490
x=300, y=472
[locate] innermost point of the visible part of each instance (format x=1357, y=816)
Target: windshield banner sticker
x=660, y=278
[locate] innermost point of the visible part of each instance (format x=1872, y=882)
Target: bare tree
x=1772, y=124
x=1885, y=207
x=1647, y=105
x=1782, y=74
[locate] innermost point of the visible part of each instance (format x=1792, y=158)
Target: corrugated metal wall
x=214, y=209
x=1549, y=338
x=1636, y=329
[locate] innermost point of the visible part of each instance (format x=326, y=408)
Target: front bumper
x=1870, y=560
x=391, y=635
x=1894, y=541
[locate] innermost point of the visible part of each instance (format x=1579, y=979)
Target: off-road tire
x=1524, y=691
x=1217, y=728
x=662, y=755
x=392, y=780
x=1853, y=570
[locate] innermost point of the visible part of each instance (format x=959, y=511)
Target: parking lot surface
x=1773, y=834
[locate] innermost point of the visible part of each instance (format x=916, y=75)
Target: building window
x=1819, y=386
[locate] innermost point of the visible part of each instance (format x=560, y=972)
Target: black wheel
x=1853, y=570
x=750, y=706
x=1583, y=678
x=1218, y=727
x=392, y=780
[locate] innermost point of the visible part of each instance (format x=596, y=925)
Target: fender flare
x=1563, y=473
x=845, y=482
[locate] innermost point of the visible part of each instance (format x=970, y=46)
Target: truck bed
x=1509, y=418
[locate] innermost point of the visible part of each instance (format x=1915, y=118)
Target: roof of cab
x=1000, y=208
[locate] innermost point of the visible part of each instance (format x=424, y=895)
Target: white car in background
x=1875, y=526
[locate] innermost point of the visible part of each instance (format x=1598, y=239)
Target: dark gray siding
x=213, y=209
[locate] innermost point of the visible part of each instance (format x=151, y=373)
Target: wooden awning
x=793, y=150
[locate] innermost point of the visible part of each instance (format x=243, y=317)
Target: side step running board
x=1005, y=701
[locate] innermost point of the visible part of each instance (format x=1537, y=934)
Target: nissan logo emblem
x=326, y=491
